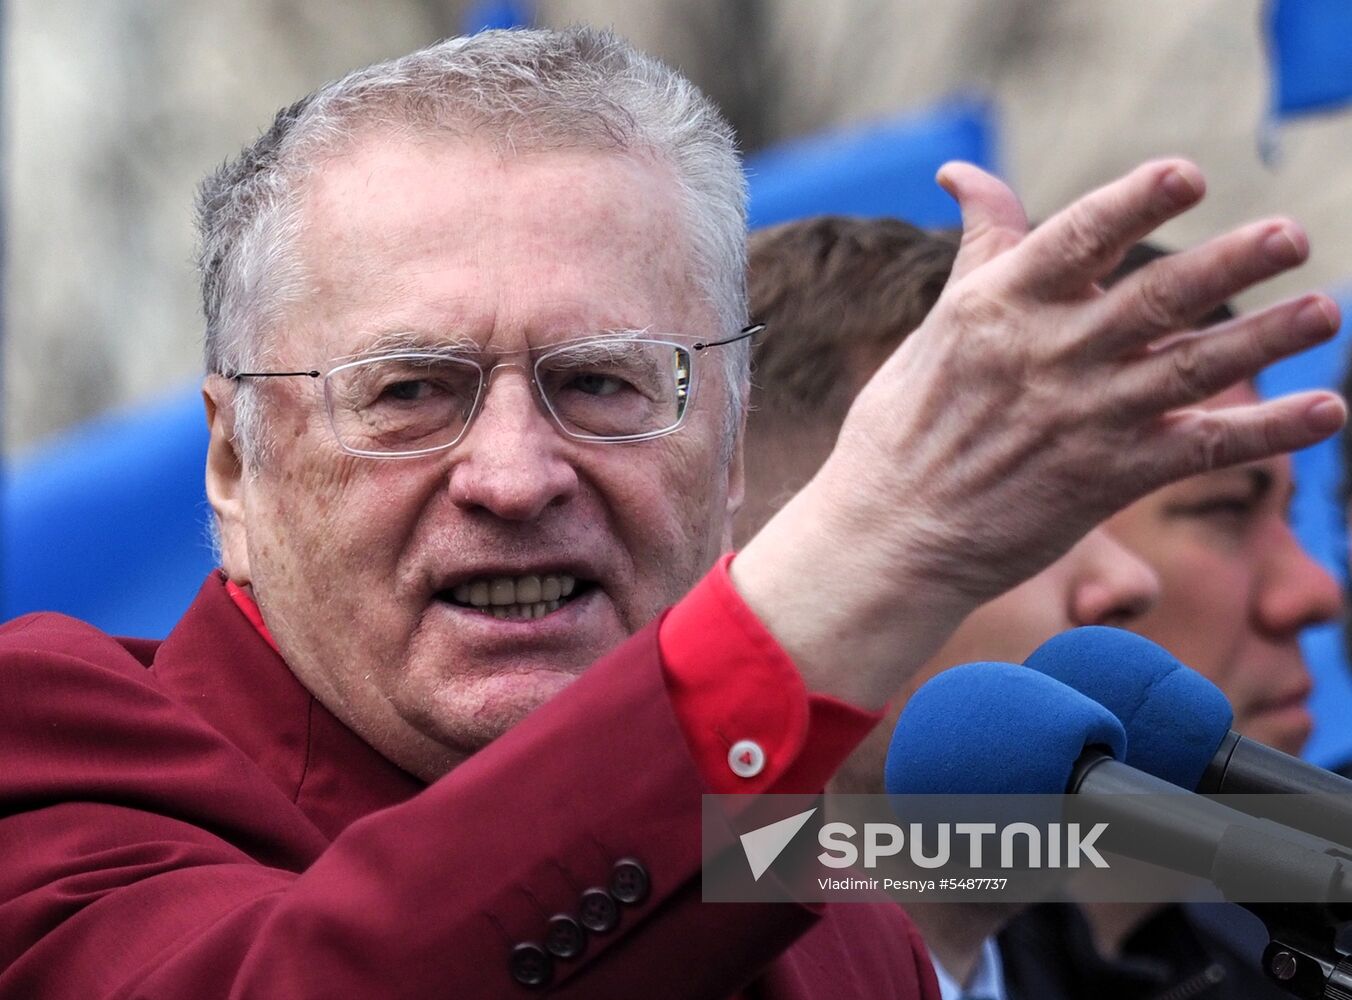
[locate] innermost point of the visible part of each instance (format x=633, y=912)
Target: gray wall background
x=115, y=108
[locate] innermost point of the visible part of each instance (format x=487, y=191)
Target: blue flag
x=883, y=169
x=485, y=15
x=1310, y=42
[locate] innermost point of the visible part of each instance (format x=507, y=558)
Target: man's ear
x=736, y=480
x=225, y=478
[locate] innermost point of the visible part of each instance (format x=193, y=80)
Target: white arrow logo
x=762, y=846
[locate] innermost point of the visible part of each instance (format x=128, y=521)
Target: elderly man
x=472, y=320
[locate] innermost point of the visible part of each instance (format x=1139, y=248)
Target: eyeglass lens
x=599, y=389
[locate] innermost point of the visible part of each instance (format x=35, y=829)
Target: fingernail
x=1281, y=249
x=1317, y=318
x=1179, y=188
x=1325, y=416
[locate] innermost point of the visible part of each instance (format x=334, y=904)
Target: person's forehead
x=1275, y=471
x=422, y=235
x=1239, y=394
x=479, y=179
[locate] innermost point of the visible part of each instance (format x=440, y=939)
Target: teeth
x=523, y=611
x=505, y=590
x=525, y=597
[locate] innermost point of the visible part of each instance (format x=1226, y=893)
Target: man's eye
x=1223, y=508
x=596, y=384
x=408, y=391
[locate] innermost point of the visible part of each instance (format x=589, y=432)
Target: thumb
x=992, y=218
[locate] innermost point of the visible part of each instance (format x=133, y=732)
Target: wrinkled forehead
x=444, y=239
x=430, y=190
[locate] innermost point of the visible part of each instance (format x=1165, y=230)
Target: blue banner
x=883, y=169
x=1310, y=43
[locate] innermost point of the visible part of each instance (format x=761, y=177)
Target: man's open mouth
x=522, y=597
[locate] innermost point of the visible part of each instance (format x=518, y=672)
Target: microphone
x=997, y=728
x=1178, y=728
x=986, y=728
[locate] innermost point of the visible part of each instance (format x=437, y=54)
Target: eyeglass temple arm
x=746, y=331
x=240, y=375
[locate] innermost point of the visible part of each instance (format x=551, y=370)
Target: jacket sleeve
x=145, y=856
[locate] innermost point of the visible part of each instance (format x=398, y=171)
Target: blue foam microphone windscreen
x=995, y=728
x=1174, y=717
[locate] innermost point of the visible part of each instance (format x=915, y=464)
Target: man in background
x=1211, y=570
x=1236, y=589
x=839, y=295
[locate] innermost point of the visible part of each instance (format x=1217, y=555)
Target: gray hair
x=518, y=89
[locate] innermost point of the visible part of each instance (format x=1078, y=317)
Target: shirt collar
x=987, y=981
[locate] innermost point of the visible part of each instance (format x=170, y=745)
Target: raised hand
x=1029, y=406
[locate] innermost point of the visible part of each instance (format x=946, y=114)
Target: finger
x=1194, y=441
x=1176, y=291
x=1195, y=367
x=992, y=218
x=1081, y=244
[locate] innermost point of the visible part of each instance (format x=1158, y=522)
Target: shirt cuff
x=751, y=723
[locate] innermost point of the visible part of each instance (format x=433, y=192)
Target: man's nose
x=511, y=462
x=1293, y=589
x=1112, y=584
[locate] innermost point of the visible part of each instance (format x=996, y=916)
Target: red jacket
x=205, y=828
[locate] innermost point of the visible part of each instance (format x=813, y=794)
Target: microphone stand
x=1302, y=956
x=1243, y=856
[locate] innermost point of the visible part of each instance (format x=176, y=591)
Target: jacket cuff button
x=565, y=937
x=629, y=882
x=531, y=965
x=599, y=912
